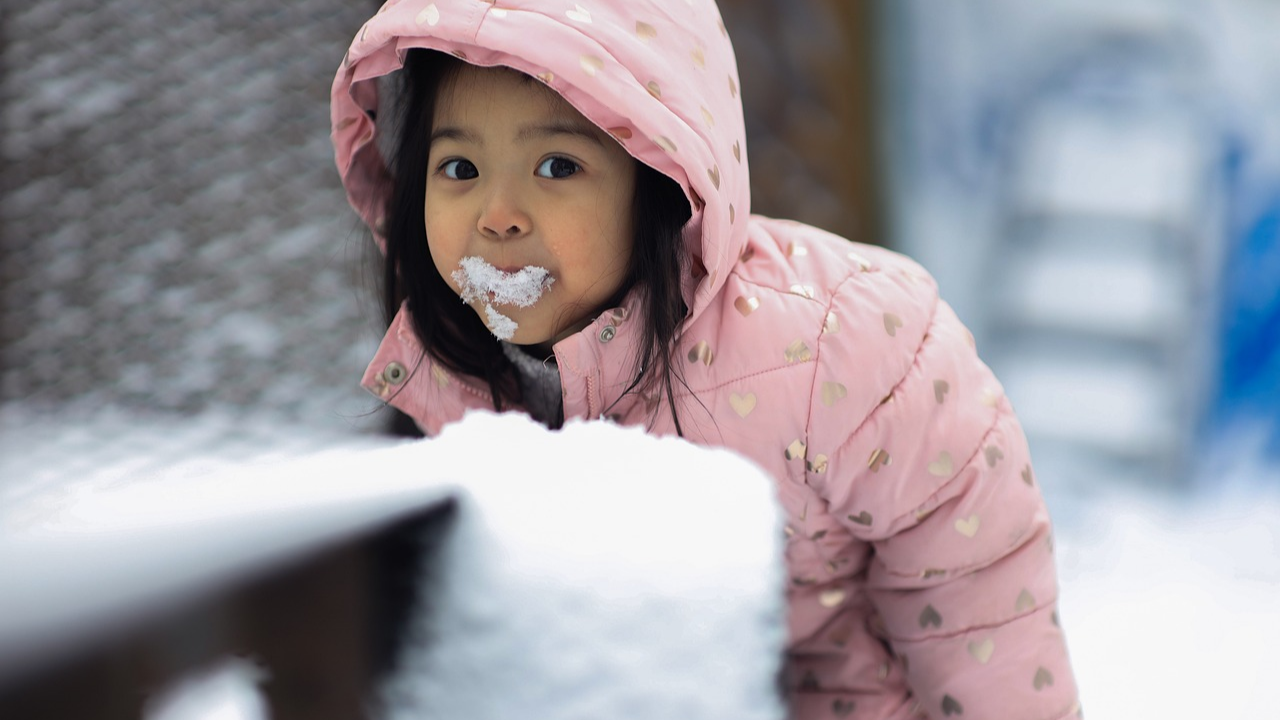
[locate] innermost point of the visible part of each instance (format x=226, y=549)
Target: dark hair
x=450, y=331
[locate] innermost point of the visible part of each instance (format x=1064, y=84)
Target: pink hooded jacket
x=919, y=549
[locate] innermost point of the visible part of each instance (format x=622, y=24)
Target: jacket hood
x=659, y=75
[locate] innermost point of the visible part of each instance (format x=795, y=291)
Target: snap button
x=394, y=373
x=607, y=333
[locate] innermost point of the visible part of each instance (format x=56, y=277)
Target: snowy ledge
x=596, y=570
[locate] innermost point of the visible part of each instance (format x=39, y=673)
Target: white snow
x=226, y=691
x=603, y=573
x=502, y=327
x=481, y=281
x=1170, y=605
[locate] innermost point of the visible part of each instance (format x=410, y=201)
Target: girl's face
x=518, y=177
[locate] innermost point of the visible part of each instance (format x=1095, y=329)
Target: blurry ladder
x=1098, y=304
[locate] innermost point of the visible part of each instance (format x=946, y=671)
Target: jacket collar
x=596, y=366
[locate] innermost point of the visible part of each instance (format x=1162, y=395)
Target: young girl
x=561, y=194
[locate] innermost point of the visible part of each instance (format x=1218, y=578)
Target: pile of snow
x=598, y=572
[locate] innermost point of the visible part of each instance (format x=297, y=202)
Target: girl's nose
x=503, y=216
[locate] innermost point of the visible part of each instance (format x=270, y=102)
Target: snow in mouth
x=480, y=281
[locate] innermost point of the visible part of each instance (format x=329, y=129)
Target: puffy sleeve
x=926, y=464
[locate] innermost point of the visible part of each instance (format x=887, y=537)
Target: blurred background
x=1096, y=186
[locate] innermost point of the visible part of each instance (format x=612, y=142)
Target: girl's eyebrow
x=454, y=133
x=558, y=127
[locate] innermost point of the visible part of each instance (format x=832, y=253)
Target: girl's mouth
x=480, y=281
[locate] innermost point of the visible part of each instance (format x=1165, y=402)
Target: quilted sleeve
x=937, y=480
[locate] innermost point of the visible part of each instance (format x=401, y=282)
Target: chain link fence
x=173, y=236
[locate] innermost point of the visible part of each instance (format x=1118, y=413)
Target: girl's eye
x=460, y=170
x=557, y=168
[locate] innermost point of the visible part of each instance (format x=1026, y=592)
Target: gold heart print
x=804, y=291
x=733, y=87
x=591, y=64
x=968, y=527
x=579, y=14
x=879, y=458
x=621, y=133
x=833, y=391
x=989, y=397
x=809, y=683
x=746, y=305
x=831, y=598
x=797, y=352
x=430, y=15
x=841, y=707
x=656, y=91
x=930, y=573
x=951, y=706
x=546, y=77
x=1026, y=475
x=699, y=57
x=819, y=465
x=714, y=174
x=891, y=324
x=1024, y=602
x=731, y=213
x=701, y=353
x=840, y=636
x=1043, y=679
x=943, y=466
x=930, y=616
x=862, y=263
x=940, y=390
x=981, y=651
x=743, y=404
x=737, y=151
x=442, y=378
x=831, y=325
x=795, y=250
x=645, y=31
x=862, y=518
x=993, y=454
x=795, y=450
